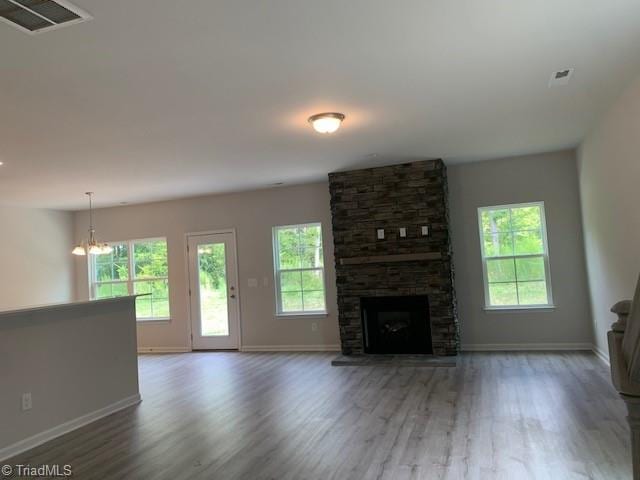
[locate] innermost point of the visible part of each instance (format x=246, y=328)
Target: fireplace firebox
x=396, y=325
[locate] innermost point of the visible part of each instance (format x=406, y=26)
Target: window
x=134, y=267
x=515, y=256
x=299, y=269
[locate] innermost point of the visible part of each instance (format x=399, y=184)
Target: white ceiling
x=158, y=99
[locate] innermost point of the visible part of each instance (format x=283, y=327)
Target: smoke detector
x=39, y=16
x=560, y=78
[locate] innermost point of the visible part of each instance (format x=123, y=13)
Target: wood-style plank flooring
x=254, y=416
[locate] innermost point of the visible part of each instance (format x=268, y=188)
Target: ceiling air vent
x=38, y=16
x=561, y=77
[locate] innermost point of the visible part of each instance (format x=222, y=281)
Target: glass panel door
x=213, y=292
x=212, y=276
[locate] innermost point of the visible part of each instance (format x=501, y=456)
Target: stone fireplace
x=393, y=260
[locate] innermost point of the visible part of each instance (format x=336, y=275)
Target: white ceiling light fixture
x=327, y=122
x=91, y=246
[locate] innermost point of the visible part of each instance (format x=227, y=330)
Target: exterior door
x=213, y=291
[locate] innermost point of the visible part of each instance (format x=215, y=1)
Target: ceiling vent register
x=38, y=16
x=560, y=78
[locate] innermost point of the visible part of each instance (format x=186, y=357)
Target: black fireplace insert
x=396, y=324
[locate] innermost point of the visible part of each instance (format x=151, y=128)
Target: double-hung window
x=134, y=267
x=515, y=256
x=299, y=269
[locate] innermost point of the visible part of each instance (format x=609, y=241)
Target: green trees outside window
x=135, y=267
x=212, y=272
x=515, y=255
x=299, y=267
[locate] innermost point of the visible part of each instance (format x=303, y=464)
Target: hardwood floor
x=293, y=416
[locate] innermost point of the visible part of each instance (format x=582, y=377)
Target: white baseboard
x=42, y=437
x=250, y=348
x=163, y=349
x=601, y=355
x=290, y=348
x=502, y=347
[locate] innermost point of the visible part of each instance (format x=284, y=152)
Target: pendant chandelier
x=91, y=246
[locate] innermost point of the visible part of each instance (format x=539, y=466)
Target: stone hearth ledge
x=386, y=360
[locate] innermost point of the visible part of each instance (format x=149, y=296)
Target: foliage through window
x=299, y=269
x=212, y=272
x=134, y=267
x=515, y=255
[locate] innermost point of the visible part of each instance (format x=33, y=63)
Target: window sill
x=524, y=309
x=302, y=315
x=153, y=320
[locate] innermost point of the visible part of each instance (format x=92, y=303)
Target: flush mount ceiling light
x=91, y=246
x=326, y=122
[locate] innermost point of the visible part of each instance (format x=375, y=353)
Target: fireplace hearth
x=396, y=325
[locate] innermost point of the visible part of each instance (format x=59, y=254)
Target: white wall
x=75, y=360
x=609, y=173
x=252, y=214
x=35, y=257
x=551, y=178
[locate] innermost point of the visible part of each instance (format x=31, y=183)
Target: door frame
x=231, y=231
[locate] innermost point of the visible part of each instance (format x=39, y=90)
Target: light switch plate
x=26, y=402
x=380, y=233
x=425, y=230
x=403, y=232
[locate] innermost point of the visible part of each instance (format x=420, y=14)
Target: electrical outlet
x=314, y=327
x=424, y=230
x=403, y=232
x=26, y=402
x=380, y=233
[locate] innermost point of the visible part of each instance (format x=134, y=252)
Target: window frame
x=131, y=281
x=544, y=255
x=277, y=272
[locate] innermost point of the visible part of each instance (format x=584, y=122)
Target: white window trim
x=277, y=271
x=130, y=281
x=545, y=255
